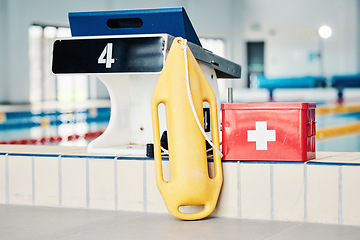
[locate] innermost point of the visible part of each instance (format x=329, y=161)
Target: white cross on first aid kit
x=261, y=135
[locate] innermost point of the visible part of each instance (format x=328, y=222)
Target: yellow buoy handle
x=157, y=144
x=208, y=209
x=215, y=137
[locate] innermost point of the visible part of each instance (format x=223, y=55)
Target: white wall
x=3, y=77
x=286, y=26
x=289, y=29
x=358, y=35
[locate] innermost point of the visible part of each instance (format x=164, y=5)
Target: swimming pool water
x=333, y=120
x=37, y=125
x=348, y=143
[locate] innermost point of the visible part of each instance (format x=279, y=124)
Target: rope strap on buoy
x=184, y=46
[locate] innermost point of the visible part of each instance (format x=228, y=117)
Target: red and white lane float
x=54, y=139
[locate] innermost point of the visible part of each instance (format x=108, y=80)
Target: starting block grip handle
x=115, y=23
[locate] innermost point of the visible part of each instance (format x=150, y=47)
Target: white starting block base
x=130, y=121
x=325, y=190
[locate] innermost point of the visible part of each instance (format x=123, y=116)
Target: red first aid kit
x=268, y=131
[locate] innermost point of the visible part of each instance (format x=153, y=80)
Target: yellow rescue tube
x=190, y=183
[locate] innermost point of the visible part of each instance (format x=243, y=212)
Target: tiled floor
x=26, y=222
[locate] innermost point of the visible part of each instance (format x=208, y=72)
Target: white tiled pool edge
x=325, y=191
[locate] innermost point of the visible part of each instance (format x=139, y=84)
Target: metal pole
x=230, y=95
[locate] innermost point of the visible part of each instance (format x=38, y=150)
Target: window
x=215, y=45
x=45, y=86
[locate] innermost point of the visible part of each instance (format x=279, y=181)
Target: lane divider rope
x=54, y=139
x=322, y=110
x=338, y=131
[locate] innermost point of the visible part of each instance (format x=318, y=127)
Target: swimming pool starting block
x=127, y=50
x=291, y=82
x=344, y=81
